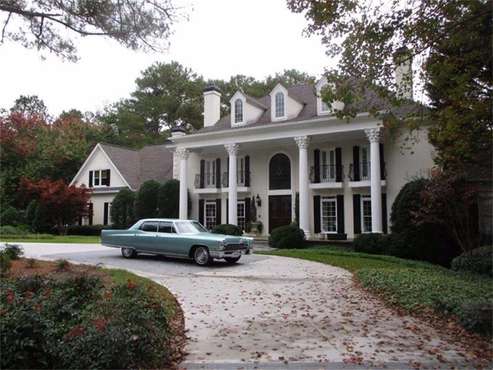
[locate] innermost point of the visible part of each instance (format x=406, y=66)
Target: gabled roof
x=306, y=95
x=152, y=162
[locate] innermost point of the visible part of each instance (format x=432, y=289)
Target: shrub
x=146, y=200
x=227, y=229
x=13, y=230
x=85, y=229
x=5, y=263
x=168, y=200
x=426, y=241
x=13, y=251
x=371, y=243
x=11, y=216
x=62, y=265
x=122, y=209
x=289, y=236
x=478, y=261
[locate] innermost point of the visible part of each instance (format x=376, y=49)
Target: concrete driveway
x=277, y=312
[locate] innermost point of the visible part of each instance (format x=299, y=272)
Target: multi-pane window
x=366, y=214
x=365, y=163
x=240, y=163
x=238, y=111
x=327, y=165
x=241, y=214
x=210, y=173
x=329, y=214
x=279, y=104
x=99, y=178
x=210, y=214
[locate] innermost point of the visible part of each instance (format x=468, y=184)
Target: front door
x=279, y=211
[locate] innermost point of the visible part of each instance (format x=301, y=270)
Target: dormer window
x=238, y=111
x=280, y=105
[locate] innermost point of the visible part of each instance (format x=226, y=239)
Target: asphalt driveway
x=277, y=312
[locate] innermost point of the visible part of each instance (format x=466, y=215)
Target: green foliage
x=478, y=261
x=227, y=229
x=62, y=265
x=146, y=200
x=78, y=323
x=13, y=251
x=30, y=105
x=371, y=243
x=11, y=216
x=289, y=236
x=9, y=230
x=168, y=200
x=5, y=263
x=94, y=230
x=122, y=209
x=446, y=292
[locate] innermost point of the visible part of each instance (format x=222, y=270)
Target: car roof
x=162, y=219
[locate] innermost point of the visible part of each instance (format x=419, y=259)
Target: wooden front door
x=279, y=211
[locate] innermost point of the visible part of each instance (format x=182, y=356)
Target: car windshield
x=190, y=227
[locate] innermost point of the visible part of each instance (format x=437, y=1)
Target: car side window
x=166, y=227
x=149, y=226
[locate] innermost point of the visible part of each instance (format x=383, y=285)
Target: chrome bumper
x=233, y=253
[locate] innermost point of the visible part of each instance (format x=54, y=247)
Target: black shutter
x=218, y=173
x=382, y=162
x=90, y=179
x=340, y=214
x=105, y=214
x=90, y=213
x=316, y=166
x=108, y=177
x=218, y=211
x=247, y=170
x=316, y=214
x=201, y=211
x=247, y=211
x=202, y=169
x=227, y=211
x=384, y=213
x=357, y=213
x=356, y=163
x=338, y=164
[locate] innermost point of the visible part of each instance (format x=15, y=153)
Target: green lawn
x=412, y=285
x=48, y=238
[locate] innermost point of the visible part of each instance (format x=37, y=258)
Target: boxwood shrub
x=287, y=237
x=478, y=261
x=227, y=229
x=371, y=243
x=86, y=229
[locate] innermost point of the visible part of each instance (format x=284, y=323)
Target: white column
x=183, y=154
x=303, y=142
x=375, y=180
x=232, y=150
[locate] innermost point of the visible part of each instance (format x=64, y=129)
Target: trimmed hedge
x=371, y=243
x=85, y=229
x=286, y=237
x=478, y=261
x=11, y=216
x=227, y=229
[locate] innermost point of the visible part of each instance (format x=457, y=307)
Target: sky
x=221, y=38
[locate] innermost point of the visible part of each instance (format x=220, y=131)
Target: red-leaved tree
x=450, y=200
x=62, y=204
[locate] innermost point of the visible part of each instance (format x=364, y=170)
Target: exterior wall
x=98, y=201
x=401, y=167
x=99, y=161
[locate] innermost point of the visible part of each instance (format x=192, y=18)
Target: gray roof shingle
x=152, y=162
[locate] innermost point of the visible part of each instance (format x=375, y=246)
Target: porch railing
x=364, y=172
x=241, y=178
x=211, y=180
x=326, y=173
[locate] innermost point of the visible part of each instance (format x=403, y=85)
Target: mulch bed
x=49, y=269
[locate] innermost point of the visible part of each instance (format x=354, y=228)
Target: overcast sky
x=221, y=38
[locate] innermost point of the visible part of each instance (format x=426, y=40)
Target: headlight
x=221, y=244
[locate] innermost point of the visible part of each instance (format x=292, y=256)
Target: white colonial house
x=290, y=154
x=110, y=168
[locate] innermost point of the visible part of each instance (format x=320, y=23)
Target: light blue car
x=176, y=238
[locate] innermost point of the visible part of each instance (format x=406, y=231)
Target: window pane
x=96, y=177
x=149, y=226
x=241, y=215
x=279, y=104
x=166, y=227
x=210, y=215
x=329, y=215
x=366, y=214
x=238, y=111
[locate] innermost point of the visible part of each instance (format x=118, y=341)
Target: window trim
x=236, y=115
x=238, y=202
x=166, y=222
x=364, y=198
x=206, y=203
x=332, y=199
x=328, y=151
x=99, y=176
x=368, y=161
x=149, y=222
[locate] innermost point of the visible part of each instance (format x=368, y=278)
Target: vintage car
x=176, y=238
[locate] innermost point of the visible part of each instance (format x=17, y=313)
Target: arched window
x=238, y=111
x=279, y=104
x=280, y=172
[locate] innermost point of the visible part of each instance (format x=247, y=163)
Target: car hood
x=226, y=238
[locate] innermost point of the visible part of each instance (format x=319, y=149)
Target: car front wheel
x=201, y=256
x=129, y=253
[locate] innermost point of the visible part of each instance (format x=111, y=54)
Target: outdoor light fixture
x=259, y=201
